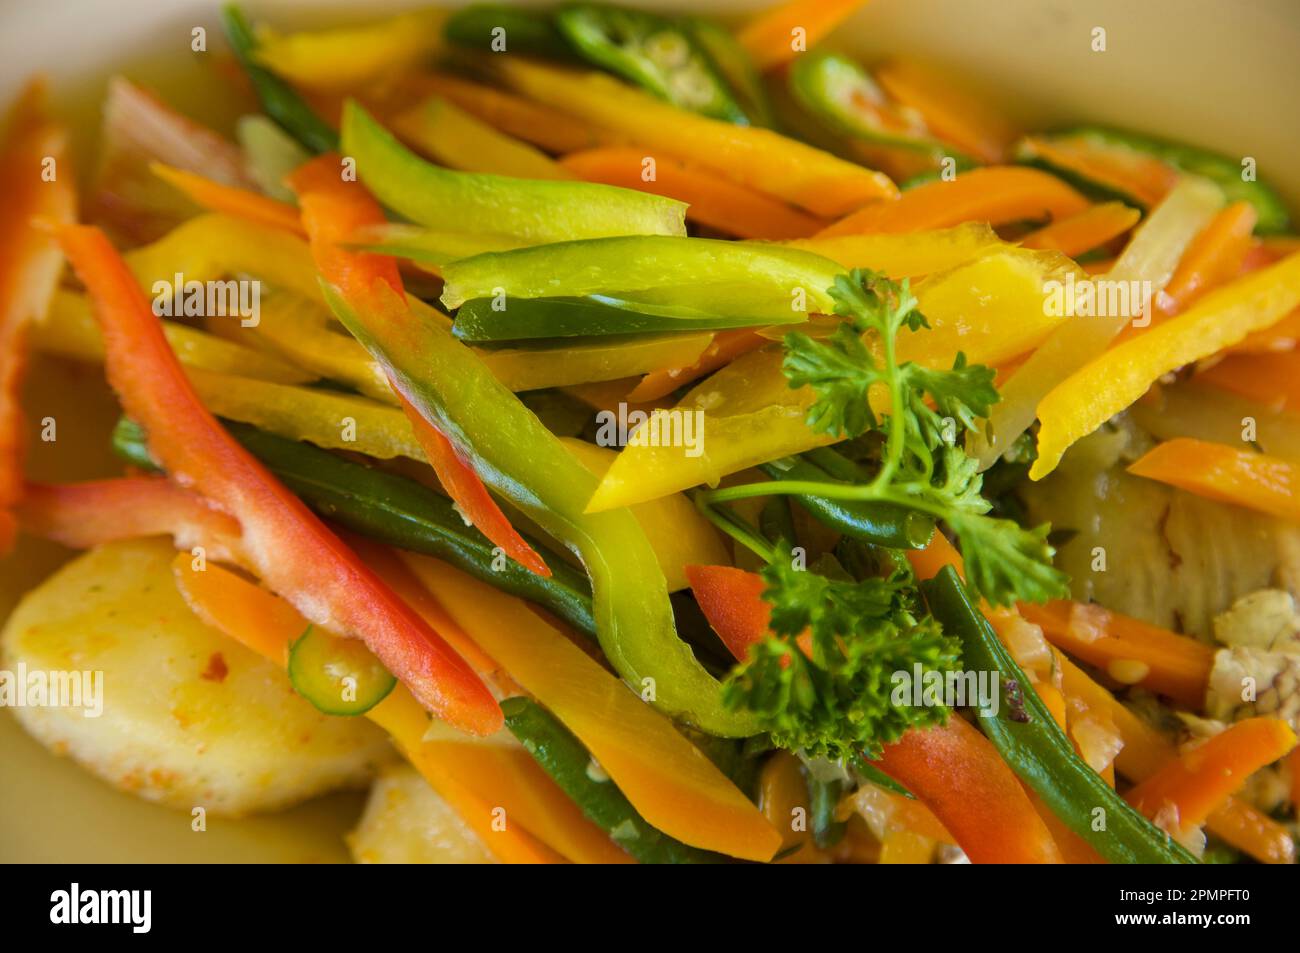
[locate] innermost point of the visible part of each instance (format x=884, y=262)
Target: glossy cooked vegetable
x=338, y=676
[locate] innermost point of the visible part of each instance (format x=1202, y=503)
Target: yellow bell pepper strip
x=907, y=255
x=1185, y=791
x=950, y=113
x=520, y=369
x=1175, y=665
x=711, y=200
x=69, y=330
x=230, y=199
x=535, y=211
x=1088, y=398
x=722, y=350
x=1227, y=474
x=996, y=194
x=696, y=274
x=1271, y=380
x=677, y=531
x=1146, y=750
x=457, y=139
x=991, y=308
x=332, y=208
x=549, y=129
x=781, y=33
x=287, y=544
x=347, y=58
x=760, y=159
x=1093, y=227
x=34, y=147
x=1151, y=256
x=476, y=777
x=215, y=246
x=82, y=515
x=668, y=780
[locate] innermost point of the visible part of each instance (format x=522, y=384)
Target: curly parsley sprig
x=922, y=465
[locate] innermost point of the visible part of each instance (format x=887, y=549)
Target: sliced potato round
x=406, y=822
x=189, y=717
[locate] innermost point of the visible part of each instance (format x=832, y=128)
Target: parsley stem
x=735, y=527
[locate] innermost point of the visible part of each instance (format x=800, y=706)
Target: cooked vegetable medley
x=687, y=441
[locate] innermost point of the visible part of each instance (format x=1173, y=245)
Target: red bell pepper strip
x=38, y=181
x=952, y=769
x=332, y=210
x=81, y=515
x=287, y=545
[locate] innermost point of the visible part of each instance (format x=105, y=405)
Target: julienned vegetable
x=489, y=320
x=702, y=275
x=338, y=676
x=526, y=209
x=292, y=550
x=278, y=98
x=396, y=511
x=653, y=52
x=1030, y=741
x=571, y=765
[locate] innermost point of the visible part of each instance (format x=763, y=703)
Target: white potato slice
x=189, y=717
x=406, y=822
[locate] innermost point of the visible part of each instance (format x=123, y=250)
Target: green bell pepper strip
x=278, y=98
x=396, y=511
x=486, y=320
x=652, y=52
x=881, y=523
x=497, y=28
x=565, y=759
x=841, y=94
x=1223, y=171
x=531, y=210
x=704, y=275
x=523, y=462
x=1029, y=740
x=733, y=62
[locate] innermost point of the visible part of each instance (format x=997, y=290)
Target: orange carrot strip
x=1200, y=780
x=1219, y=472
x=1146, y=750
x=231, y=199
x=726, y=347
x=268, y=625
x=1272, y=380
x=1283, y=336
x=1214, y=257
x=714, y=201
x=997, y=195
x=1092, y=227
x=950, y=114
x=1145, y=178
x=34, y=148
x=778, y=35
x=1176, y=665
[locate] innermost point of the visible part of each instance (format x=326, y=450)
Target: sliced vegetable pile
x=633, y=421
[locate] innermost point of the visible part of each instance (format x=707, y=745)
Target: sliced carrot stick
x=1271, y=380
x=1146, y=750
x=1145, y=178
x=474, y=778
x=1164, y=662
x=550, y=129
x=231, y=199
x=781, y=33
x=1214, y=256
x=951, y=114
x=1192, y=785
x=726, y=347
x=714, y=201
x=1219, y=472
x=996, y=194
x=1092, y=227
x=1283, y=336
